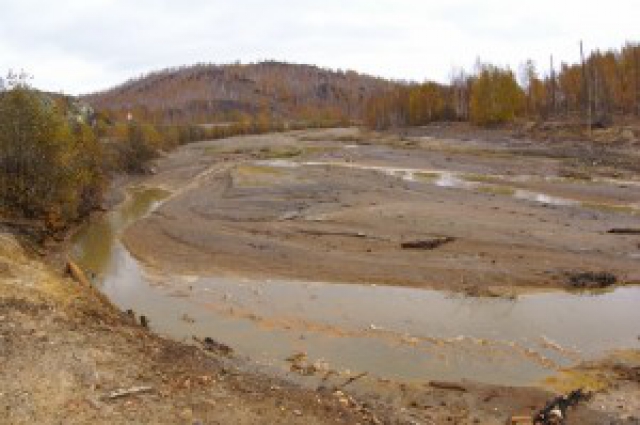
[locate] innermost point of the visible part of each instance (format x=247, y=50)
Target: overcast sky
x=78, y=46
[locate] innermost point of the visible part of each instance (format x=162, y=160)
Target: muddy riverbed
x=287, y=244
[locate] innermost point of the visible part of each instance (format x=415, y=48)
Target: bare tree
x=586, y=88
x=636, y=58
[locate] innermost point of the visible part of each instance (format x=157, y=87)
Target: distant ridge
x=206, y=93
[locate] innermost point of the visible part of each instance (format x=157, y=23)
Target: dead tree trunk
x=586, y=86
x=636, y=58
x=552, y=76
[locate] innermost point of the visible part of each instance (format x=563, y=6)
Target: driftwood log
x=427, y=244
x=451, y=386
x=77, y=274
x=624, y=231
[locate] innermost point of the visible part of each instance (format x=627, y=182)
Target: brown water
x=390, y=332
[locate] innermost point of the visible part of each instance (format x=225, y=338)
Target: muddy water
x=390, y=332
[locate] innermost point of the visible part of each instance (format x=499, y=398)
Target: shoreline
x=167, y=365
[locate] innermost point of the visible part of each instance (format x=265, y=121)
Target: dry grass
x=614, y=208
x=497, y=190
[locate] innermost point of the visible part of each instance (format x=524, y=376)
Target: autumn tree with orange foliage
x=607, y=85
x=496, y=97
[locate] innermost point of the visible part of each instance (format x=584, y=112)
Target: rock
x=211, y=345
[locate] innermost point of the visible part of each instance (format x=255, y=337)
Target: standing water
x=390, y=332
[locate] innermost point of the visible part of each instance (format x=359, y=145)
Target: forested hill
x=208, y=93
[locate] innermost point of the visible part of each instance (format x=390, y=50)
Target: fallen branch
x=427, y=244
x=351, y=380
x=624, y=231
x=591, y=280
x=329, y=233
x=441, y=385
x=521, y=420
x=127, y=392
x=77, y=274
x=23, y=222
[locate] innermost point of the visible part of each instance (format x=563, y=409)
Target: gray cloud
x=80, y=46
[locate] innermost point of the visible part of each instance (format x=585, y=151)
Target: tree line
x=57, y=156
x=51, y=167
x=600, y=87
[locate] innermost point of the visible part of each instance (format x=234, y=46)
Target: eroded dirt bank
x=64, y=350
x=338, y=205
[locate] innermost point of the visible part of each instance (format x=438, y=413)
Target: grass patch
x=256, y=175
x=590, y=380
x=313, y=150
x=575, y=174
x=349, y=138
x=280, y=152
x=426, y=176
x=482, y=178
x=258, y=170
x=614, y=208
x=497, y=190
x=469, y=150
x=222, y=150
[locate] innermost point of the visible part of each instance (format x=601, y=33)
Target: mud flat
x=339, y=212
x=291, y=247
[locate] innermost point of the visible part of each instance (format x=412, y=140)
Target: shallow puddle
x=492, y=184
x=544, y=198
x=390, y=332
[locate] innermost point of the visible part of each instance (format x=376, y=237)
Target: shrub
x=49, y=169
